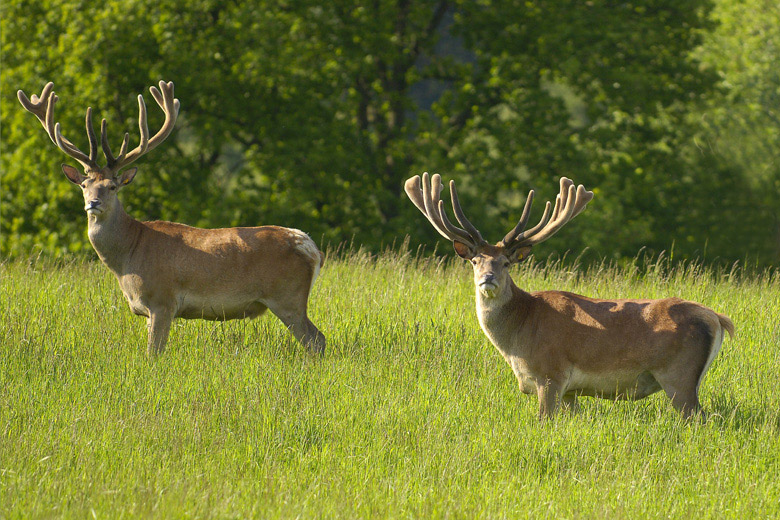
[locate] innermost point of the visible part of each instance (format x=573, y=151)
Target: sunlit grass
x=410, y=413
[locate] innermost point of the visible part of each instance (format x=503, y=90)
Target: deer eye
x=112, y=188
x=506, y=264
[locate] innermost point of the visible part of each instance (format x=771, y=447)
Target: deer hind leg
x=310, y=337
x=159, y=325
x=298, y=323
x=683, y=394
x=680, y=381
x=291, y=304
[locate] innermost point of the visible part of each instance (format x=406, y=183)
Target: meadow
x=411, y=413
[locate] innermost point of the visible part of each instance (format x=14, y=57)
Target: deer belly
x=613, y=385
x=218, y=308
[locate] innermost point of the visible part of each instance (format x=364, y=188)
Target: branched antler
x=568, y=204
x=168, y=104
x=43, y=108
x=426, y=196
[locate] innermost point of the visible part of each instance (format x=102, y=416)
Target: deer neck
x=114, y=236
x=502, y=316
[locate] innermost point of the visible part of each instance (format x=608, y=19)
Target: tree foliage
x=740, y=127
x=311, y=115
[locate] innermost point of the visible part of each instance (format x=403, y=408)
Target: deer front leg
x=159, y=325
x=549, y=393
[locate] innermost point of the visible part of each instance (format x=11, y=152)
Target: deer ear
x=127, y=177
x=463, y=250
x=519, y=254
x=73, y=174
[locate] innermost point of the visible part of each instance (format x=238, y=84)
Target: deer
x=562, y=345
x=168, y=270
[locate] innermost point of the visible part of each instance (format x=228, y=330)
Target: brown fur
x=168, y=270
x=561, y=345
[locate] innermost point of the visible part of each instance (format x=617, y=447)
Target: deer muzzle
x=93, y=207
x=488, y=285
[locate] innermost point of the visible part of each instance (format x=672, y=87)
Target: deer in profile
x=168, y=270
x=562, y=345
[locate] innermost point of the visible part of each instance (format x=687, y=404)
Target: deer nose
x=488, y=278
x=92, y=204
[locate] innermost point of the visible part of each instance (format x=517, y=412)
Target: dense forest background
x=312, y=114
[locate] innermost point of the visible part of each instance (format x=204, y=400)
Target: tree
x=312, y=115
x=740, y=124
x=595, y=91
x=294, y=114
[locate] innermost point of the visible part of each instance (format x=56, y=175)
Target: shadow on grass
x=721, y=412
x=728, y=413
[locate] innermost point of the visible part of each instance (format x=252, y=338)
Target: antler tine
x=465, y=237
x=470, y=229
x=418, y=192
x=542, y=222
x=522, y=222
x=583, y=197
x=38, y=105
x=564, y=213
x=426, y=197
x=431, y=194
x=431, y=199
x=568, y=204
x=73, y=152
x=123, y=148
x=91, y=136
x=413, y=190
x=64, y=143
x=112, y=161
x=143, y=127
x=563, y=196
x=48, y=124
x=43, y=108
x=170, y=107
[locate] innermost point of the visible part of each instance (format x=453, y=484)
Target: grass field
x=411, y=413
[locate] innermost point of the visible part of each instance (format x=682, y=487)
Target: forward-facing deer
x=168, y=270
x=561, y=345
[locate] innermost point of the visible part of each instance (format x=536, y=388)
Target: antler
x=43, y=108
x=169, y=105
x=568, y=204
x=426, y=196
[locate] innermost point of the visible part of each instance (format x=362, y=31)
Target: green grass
x=411, y=413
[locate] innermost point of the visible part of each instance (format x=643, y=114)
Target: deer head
x=491, y=262
x=100, y=184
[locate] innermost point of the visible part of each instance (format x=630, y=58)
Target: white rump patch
x=714, y=350
x=306, y=246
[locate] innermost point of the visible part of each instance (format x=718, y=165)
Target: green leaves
x=311, y=116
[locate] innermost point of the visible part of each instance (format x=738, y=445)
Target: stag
x=562, y=345
x=168, y=270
